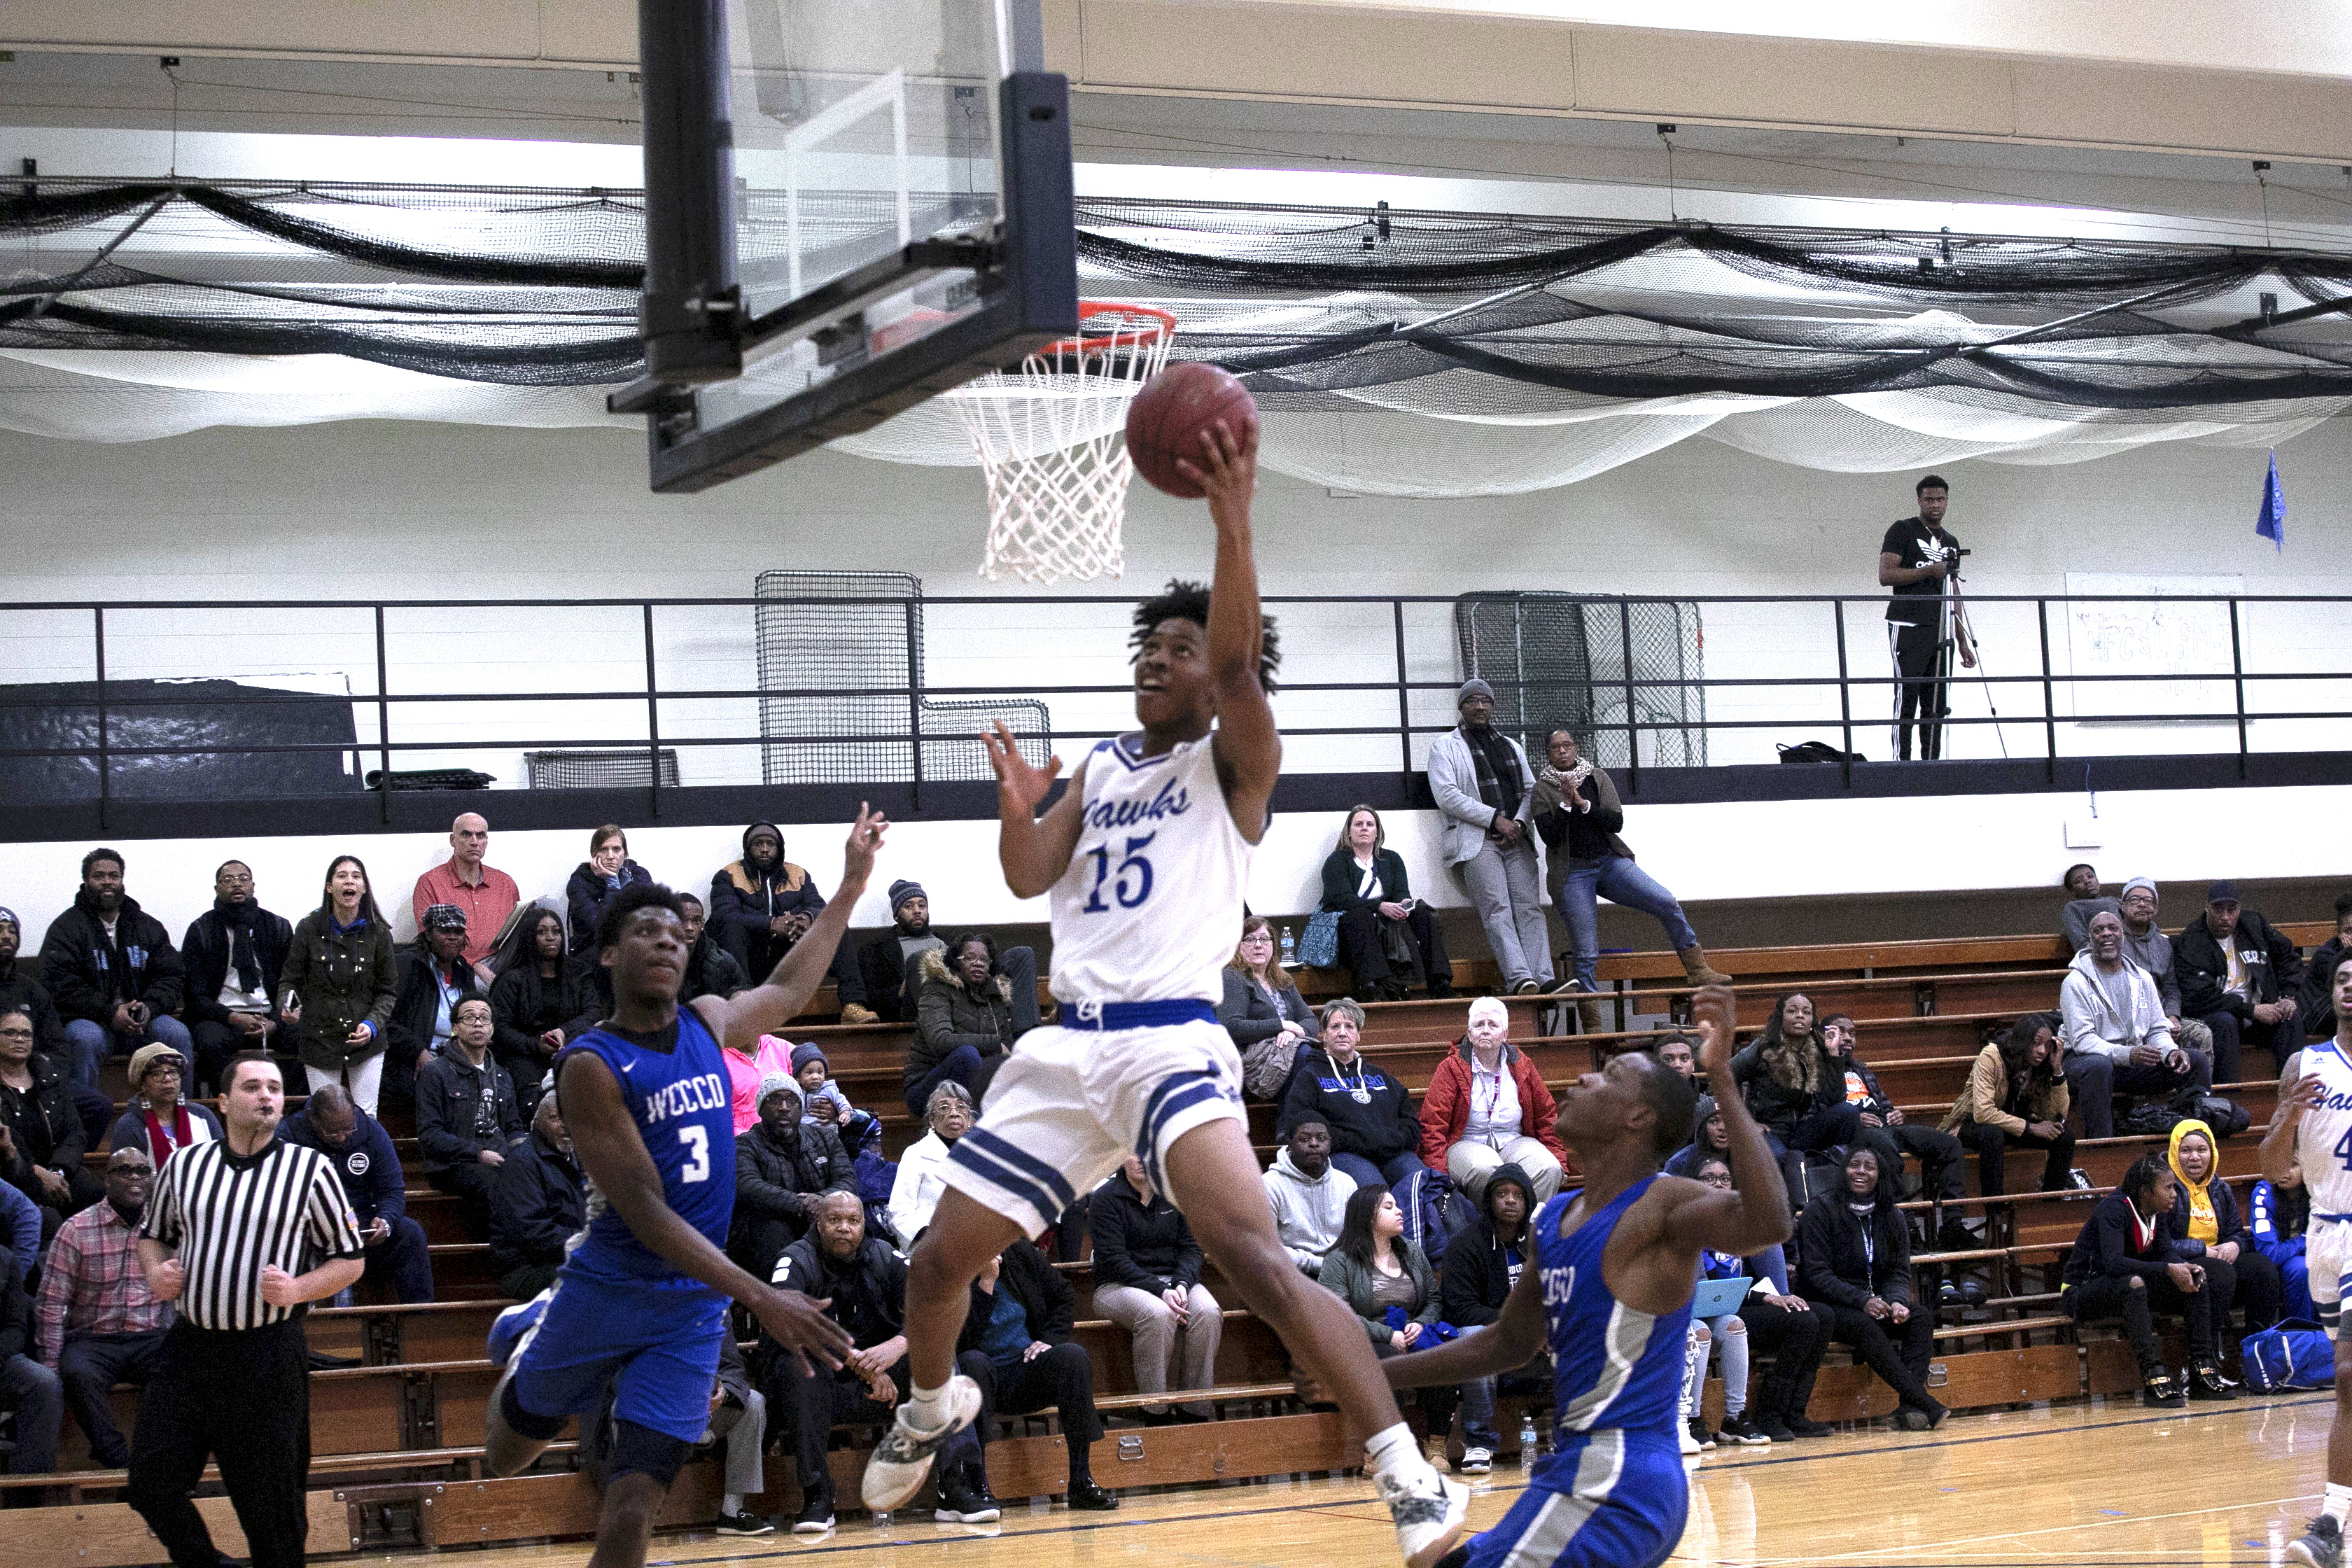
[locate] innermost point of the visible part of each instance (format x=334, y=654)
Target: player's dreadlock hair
x=1189, y=602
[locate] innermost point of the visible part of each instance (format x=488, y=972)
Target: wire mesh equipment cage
x=1558, y=659
x=619, y=768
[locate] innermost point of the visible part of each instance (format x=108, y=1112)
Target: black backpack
x=1817, y=751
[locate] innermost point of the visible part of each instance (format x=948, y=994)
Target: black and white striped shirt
x=230, y=1215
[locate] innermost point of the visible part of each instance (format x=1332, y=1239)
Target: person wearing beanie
x=2239, y=976
x=885, y=963
x=162, y=1120
x=761, y=904
x=821, y=1097
x=783, y=1166
x=1486, y=790
x=20, y=986
x=2145, y=944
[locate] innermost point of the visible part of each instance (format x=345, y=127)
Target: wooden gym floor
x=2104, y=1483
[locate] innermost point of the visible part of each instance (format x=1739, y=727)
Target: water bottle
x=1527, y=1439
x=1289, y=949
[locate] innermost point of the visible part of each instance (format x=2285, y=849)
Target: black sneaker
x=1743, y=1432
x=2207, y=1382
x=744, y=1524
x=1803, y=1425
x=2159, y=1391
x=1777, y=1430
x=1700, y=1435
x=814, y=1518
x=2320, y=1546
x=1092, y=1498
x=1954, y=1235
x=960, y=1502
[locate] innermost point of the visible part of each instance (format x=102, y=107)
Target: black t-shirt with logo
x=1914, y=544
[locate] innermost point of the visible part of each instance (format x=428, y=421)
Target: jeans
x=963, y=1065
x=2094, y=1079
x=40, y=1403
x=1730, y=1336
x=746, y=1474
x=1387, y=1173
x=91, y=1364
x=1618, y=879
x=1504, y=888
x=366, y=1075
x=90, y=1041
x=1904, y=1370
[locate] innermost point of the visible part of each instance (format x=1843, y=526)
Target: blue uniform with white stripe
x=620, y=1313
x=1612, y=1494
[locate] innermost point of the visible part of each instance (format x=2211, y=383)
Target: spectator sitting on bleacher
x=2117, y=1041
x=864, y=1280
x=2126, y=1264
x=339, y=986
x=538, y=1003
x=2083, y=901
x=1383, y=1275
x=964, y=1023
x=821, y=1097
x=2279, y=1214
x=783, y=1166
x=1678, y=1051
x=2213, y=1230
x=99, y=1323
x=1482, y=1262
x=1364, y=882
x=2016, y=1094
x=20, y=1219
x=915, y=1192
x=1486, y=1106
x=1883, y=1124
x=2314, y=998
x=46, y=1139
x=111, y=968
x=160, y=1120
x=711, y=969
x=466, y=1114
x=1308, y=1194
x=233, y=953
x=484, y=895
x=1709, y=1140
x=1016, y=1346
x=435, y=977
x=360, y=1150
x=886, y=963
x=1147, y=1281
x=1853, y=1255
x=21, y=989
x=539, y=1201
x=1793, y=1092
x=762, y=904
x=1772, y=1319
x=1271, y=1023
x=2145, y=944
x=2240, y=976
x=26, y=1386
x=594, y=880
x=1375, y=1136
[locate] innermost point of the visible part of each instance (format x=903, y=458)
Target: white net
x=1052, y=442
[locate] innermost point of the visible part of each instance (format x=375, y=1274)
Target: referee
x=239, y=1233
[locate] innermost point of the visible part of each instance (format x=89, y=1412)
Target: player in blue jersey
x=641, y=1300
x=1610, y=1294
x=1146, y=862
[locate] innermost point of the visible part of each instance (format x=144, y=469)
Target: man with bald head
x=360, y=1150
x=487, y=895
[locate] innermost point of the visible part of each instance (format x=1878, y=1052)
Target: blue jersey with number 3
x=680, y=1101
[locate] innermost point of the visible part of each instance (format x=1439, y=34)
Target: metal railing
x=1371, y=682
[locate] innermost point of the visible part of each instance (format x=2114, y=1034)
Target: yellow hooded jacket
x=2204, y=1225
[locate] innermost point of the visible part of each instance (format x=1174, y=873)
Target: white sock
x=927, y=1407
x=1387, y=1452
x=733, y=1503
x=2339, y=1506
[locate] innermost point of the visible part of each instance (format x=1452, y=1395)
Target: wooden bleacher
x=400, y=1427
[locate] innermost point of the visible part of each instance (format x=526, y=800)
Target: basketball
x=1167, y=417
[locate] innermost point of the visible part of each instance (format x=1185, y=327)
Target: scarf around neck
x=237, y=919
x=1500, y=784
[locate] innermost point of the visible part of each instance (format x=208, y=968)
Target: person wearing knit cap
x=2240, y=976
x=783, y=1166
x=821, y=1097
x=20, y=986
x=885, y=963
x=2145, y=944
x=1486, y=792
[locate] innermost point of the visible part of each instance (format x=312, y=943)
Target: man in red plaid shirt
x=97, y=1323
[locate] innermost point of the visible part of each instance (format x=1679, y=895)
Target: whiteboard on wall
x=2152, y=636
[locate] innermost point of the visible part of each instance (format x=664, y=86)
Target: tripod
x=1965, y=632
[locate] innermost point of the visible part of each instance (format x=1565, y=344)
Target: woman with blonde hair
x=1384, y=931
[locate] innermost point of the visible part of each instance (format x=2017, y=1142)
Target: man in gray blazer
x=1486, y=792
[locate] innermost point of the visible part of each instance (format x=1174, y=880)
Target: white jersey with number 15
x=1150, y=907
x=2324, y=1140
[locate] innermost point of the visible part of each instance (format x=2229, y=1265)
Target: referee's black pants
x=242, y=1398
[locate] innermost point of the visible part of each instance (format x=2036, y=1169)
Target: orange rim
x=1161, y=324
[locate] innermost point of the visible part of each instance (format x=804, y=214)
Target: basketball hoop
x=1050, y=440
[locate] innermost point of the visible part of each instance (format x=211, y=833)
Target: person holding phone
x=1383, y=929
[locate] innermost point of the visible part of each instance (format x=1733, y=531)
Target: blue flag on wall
x=2271, y=523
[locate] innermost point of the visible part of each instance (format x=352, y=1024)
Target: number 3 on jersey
x=698, y=1154
x=1130, y=882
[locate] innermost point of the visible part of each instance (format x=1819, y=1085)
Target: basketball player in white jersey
x=1146, y=857
x=2313, y=1129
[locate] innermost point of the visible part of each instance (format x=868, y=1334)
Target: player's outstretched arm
x=741, y=1019
x=1754, y=1215
x=2279, y=1143
x=1249, y=747
x=1507, y=1343
x=1033, y=850
x=605, y=1141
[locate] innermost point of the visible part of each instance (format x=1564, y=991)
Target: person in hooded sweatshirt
x=2213, y=1229
x=2128, y=1264
x=1709, y=1140
x=761, y=904
x=2117, y=1040
x=1481, y=1265
x=2278, y=1215
x=1309, y=1195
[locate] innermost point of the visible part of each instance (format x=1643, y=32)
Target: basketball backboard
x=851, y=206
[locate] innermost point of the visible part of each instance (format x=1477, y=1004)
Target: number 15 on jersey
x=1129, y=882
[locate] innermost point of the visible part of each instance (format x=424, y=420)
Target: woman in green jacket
x=339, y=984
x=1373, y=1268
x=1364, y=882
